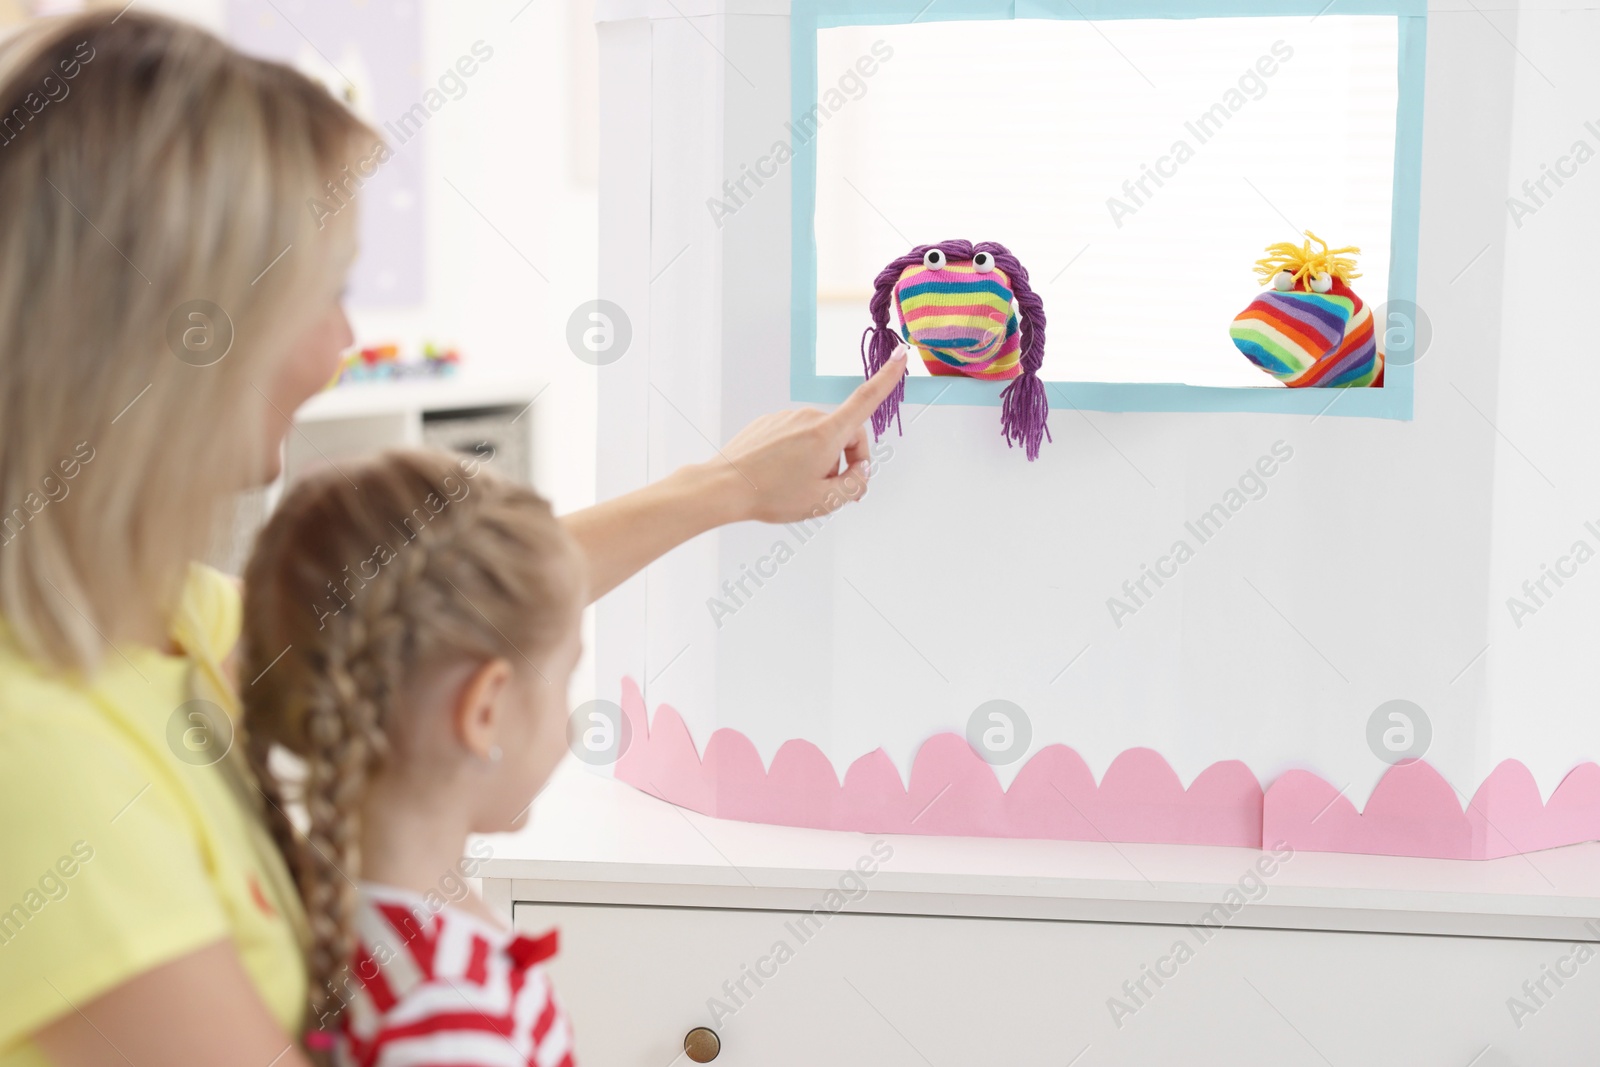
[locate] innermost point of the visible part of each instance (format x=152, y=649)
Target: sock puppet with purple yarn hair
x=954, y=301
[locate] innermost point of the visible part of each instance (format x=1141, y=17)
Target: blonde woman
x=145, y=916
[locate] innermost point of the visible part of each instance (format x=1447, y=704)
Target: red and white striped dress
x=448, y=989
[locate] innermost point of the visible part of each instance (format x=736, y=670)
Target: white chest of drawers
x=808, y=947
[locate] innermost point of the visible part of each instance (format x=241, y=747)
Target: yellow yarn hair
x=1303, y=263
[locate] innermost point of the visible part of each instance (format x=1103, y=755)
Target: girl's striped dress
x=439, y=987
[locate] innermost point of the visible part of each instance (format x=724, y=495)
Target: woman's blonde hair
x=363, y=583
x=154, y=184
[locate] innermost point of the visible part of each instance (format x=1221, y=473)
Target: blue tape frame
x=1393, y=401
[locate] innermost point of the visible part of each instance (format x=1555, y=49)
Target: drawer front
x=786, y=989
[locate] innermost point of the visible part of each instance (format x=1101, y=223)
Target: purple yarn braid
x=1024, y=408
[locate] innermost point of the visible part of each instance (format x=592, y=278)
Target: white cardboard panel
x=622, y=416
x=1371, y=569
x=1541, y=671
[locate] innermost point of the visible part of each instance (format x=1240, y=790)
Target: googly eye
x=1322, y=282
x=1283, y=281
x=933, y=259
x=983, y=262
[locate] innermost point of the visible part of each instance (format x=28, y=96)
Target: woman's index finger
x=859, y=405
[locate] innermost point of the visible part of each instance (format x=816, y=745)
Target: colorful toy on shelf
x=1310, y=329
x=382, y=363
x=440, y=357
x=968, y=309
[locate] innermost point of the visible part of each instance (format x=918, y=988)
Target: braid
x=879, y=340
x=1024, y=408
x=347, y=729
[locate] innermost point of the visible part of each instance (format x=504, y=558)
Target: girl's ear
x=475, y=716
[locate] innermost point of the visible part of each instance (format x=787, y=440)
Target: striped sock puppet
x=1310, y=329
x=968, y=309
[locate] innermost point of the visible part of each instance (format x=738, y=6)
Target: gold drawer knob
x=701, y=1044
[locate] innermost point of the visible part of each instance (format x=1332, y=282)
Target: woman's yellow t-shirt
x=125, y=841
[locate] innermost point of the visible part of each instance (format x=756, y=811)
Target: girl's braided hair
x=366, y=580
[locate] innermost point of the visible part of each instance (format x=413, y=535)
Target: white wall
x=521, y=148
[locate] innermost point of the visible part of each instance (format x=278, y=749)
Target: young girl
x=413, y=622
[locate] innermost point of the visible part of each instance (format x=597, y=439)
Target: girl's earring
x=495, y=753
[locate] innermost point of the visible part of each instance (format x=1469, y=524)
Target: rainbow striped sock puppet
x=968, y=309
x=1310, y=329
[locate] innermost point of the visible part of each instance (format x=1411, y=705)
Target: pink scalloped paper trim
x=952, y=791
x=1413, y=811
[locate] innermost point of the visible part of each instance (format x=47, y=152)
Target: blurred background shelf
x=487, y=417
x=418, y=395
